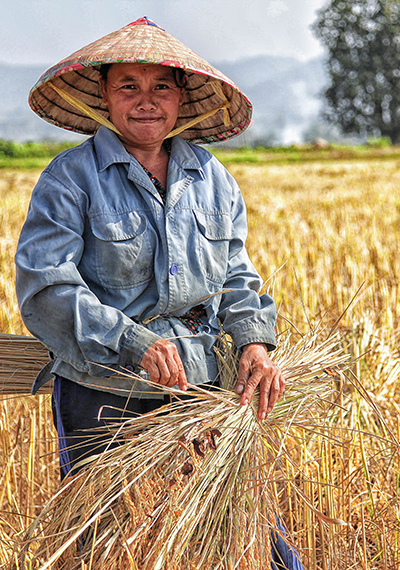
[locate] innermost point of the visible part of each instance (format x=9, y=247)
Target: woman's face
x=143, y=101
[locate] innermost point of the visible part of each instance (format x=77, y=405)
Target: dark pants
x=81, y=416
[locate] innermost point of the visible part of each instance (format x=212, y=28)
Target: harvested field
x=325, y=235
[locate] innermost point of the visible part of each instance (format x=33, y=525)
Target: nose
x=146, y=101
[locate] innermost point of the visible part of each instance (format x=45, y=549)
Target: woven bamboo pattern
x=142, y=41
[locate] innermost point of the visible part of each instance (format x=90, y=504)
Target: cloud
x=46, y=30
x=276, y=7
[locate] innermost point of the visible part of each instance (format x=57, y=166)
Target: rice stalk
x=191, y=485
x=21, y=359
x=337, y=224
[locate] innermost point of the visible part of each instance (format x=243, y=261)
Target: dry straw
x=192, y=485
x=21, y=359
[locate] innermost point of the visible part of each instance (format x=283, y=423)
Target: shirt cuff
x=249, y=333
x=135, y=344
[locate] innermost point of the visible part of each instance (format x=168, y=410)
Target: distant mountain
x=17, y=121
x=285, y=94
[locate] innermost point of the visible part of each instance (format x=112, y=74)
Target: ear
x=182, y=96
x=103, y=87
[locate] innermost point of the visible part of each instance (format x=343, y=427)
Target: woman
x=133, y=251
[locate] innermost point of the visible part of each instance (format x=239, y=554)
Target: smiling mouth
x=146, y=119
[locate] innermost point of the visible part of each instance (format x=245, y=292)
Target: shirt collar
x=110, y=150
x=183, y=154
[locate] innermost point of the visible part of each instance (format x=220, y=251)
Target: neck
x=154, y=159
x=145, y=154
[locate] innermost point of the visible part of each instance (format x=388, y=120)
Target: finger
x=164, y=372
x=163, y=363
x=165, y=355
x=181, y=379
x=270, y=390
x=151, y=366
x=175, y=368
x=169, y=368
x=274, y=392
x=282, y=385
x=243, y=374
x=251, y=385
x=154, y=361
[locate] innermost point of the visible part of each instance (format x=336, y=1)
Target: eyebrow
x=132, y=78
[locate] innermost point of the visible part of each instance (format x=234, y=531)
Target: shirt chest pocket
x=124, y=255
x=215, y=233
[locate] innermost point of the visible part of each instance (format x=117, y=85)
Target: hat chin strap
x=98, y=117
x=84, y=108
x=224, y=105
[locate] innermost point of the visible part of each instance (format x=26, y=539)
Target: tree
x=363, y=41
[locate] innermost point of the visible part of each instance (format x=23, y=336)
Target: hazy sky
x=45, y=31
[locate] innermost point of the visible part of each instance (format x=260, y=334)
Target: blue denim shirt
x=104, y=268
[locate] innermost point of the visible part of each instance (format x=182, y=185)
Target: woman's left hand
x=256, y=367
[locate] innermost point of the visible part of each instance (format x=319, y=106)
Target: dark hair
x=104, y=69
x=180, y=76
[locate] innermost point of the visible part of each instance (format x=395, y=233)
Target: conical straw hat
x=68, y=94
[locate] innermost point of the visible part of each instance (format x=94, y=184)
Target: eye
x=161, y=86
x=129, y=86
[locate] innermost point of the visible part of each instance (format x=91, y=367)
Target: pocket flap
x=118, y=227
x=214, y=226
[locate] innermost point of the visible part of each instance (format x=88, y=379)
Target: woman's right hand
x=163, y=363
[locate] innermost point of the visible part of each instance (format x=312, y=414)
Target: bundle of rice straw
x=189, y=486
x=21, y=359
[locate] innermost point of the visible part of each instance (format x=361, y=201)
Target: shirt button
x=129, y=367
x=173, y=269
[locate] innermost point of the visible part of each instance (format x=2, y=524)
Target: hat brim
x=78, y=75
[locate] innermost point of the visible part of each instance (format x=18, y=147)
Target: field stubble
x=317, y=233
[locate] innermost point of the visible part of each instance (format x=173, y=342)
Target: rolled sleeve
x=56, y=304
